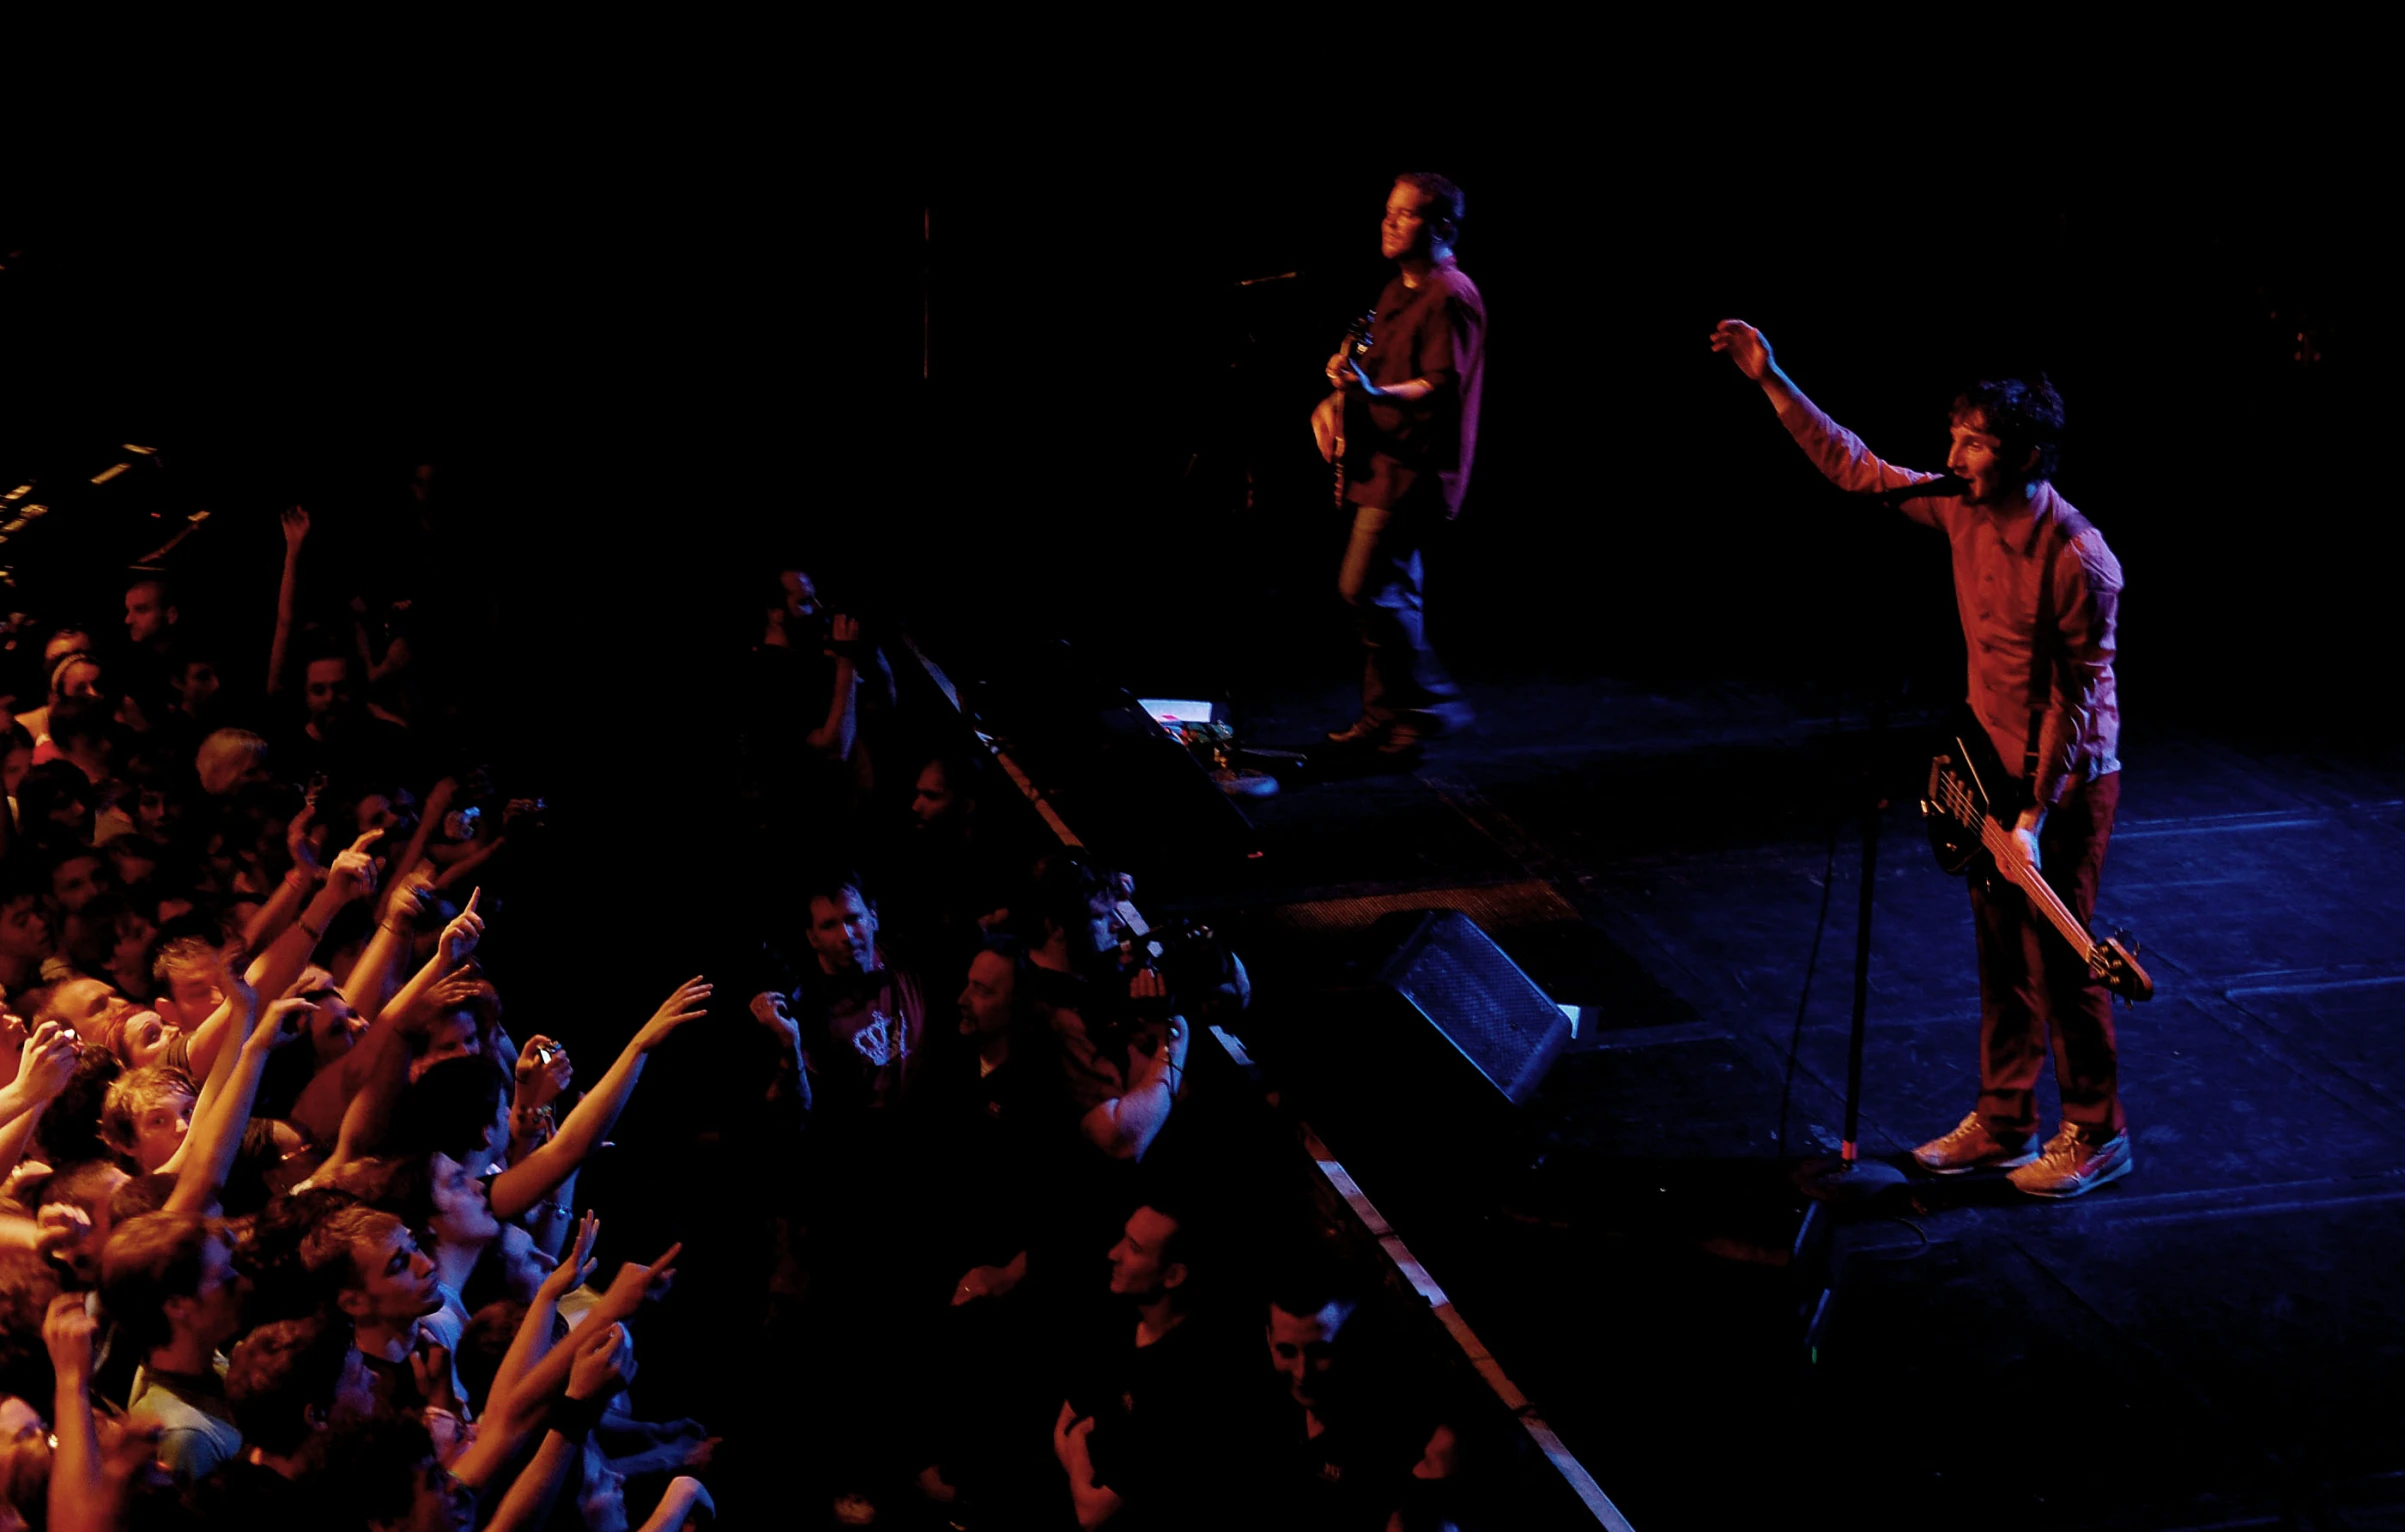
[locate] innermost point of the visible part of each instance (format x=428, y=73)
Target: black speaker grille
x=1478, y=998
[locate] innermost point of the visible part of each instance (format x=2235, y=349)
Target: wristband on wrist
x=575, y=1418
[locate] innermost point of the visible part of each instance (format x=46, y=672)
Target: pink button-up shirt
x=2047, y=701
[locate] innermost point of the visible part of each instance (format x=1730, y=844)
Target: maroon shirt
x=1435, y=331
x=2064, y=711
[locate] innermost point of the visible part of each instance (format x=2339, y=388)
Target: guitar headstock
x=2114, y=962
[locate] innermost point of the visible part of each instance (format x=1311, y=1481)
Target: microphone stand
x=1850, y=1178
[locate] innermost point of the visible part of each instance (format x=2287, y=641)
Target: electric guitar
x=1969, y=808
x=1353, y=348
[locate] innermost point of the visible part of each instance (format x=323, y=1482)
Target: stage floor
x=2217, y=1340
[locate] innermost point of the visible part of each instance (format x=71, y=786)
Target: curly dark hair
x=379, y=1462
x=2022, y=413
x=279, y=1372
x=270, y=1254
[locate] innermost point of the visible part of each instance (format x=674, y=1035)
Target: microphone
x=1944, y=487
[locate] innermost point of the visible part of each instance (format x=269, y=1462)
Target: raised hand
x=68, y=1330
x=281, y=1022
x=409, y=895
x=635, y=1283
x=768, y=1009
x=542, y=1072
x=1744, y=345
x=842, y=630
x=465, y=930
x=296, y=528
x=301, y=843
x=353, y=875
x=577, y=1265
x=987, y=1282
x=441, y=998
x=687, y=1004
x=604, y=1364
x=47, y=1062
x=234, y=983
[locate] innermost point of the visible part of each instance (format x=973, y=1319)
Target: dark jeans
x=1382, y=580
x=2034, y=990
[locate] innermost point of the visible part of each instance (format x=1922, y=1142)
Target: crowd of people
x=291, y=1231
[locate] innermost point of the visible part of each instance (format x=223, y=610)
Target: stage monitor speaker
x=1453, y=974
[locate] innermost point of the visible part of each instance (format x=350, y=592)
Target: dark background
x=643, y=361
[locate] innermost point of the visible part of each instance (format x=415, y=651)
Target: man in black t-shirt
x=1407, y=414
x=1350, y=1441
x=1153, y=1424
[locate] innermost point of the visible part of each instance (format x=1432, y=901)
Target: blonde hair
x=64, y=642
x=65, y=663
x=133, y=1095
x=225, y=757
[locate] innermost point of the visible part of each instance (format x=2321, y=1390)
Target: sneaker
x=2072, y=1165
x=1972, y=1147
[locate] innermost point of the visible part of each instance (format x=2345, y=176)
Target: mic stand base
x=1846, y=1181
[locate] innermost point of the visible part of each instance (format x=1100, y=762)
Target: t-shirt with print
x=863, y=1038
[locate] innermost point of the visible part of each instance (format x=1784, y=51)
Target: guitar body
x=1968, y=809
x=1994, y=793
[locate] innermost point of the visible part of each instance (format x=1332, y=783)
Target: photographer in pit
x=810, y=683
x=1121, y=1009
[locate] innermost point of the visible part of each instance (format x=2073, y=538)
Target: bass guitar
x=1969, y=809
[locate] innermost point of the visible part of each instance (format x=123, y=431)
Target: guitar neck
x=2007, y=856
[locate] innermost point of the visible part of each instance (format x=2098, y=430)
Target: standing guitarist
x=2037, y=590
x=1407, y=414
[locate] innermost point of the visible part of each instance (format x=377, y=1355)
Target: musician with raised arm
x=2037, y=591
x=1406, y=412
